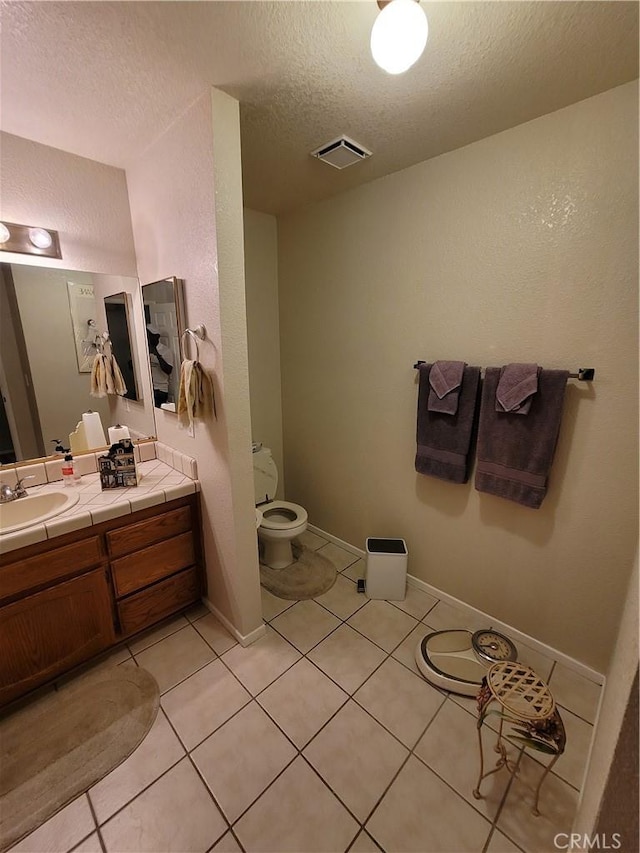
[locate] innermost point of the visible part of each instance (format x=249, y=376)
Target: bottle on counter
x=68, y=470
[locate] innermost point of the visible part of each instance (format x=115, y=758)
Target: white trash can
x=386, y=569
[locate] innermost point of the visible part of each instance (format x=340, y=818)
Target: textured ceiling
x=103, y=80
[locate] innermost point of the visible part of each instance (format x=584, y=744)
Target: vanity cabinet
x=66, y=600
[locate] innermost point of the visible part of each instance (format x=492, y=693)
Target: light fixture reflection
x=399, y=35
x=29, y=240
x=40, y=238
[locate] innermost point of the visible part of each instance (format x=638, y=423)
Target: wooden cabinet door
x=51, y=631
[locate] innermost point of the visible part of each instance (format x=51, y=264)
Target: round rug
x=311, y=574
x=57, y=746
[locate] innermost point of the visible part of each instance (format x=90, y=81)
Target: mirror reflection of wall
x=119, y=327
x=164, y=320
x=44, y=390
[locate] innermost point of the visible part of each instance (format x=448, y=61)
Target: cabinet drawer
x=145, y=608
x=151, y=564
x=144, y=533
x=33, y=572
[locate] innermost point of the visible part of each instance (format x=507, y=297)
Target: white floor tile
x=257, y=665
x=311, y=540
x=575, y=692
x=241, y=758
x=216, y=635
x=203, y=702
x=175, y=815
x=272, y=605
x=383, y=624
x=176, y=657
x=347, y=657
x=444, y=616
x=61, y=832
x=343, y=599
x=338, y=556
x=450, y=748
x=420, y=814
x=403, y=702
x=416, y=603
x=305, y=624
x=157, y=753
x=301, y=701
x=557, y=806
x=356, y=757
x=309, y=817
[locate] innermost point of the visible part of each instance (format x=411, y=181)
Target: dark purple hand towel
x=445, y=379
x=516, y=387
x=444, y=440
x=515, y=453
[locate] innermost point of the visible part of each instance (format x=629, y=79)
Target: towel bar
x=584, y=374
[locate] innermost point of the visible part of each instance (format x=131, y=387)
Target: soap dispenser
x=59, y=451
x=68, y=470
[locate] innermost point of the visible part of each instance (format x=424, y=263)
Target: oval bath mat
x=311, y=574
x=57, y=746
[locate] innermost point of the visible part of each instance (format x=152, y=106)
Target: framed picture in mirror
x=164, y=320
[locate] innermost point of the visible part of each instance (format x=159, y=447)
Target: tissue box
x=118, y=468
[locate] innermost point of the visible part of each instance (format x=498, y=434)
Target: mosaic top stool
x=526, y=704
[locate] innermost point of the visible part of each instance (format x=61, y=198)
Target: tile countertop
x=157, y=483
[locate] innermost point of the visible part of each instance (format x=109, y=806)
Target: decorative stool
x=526, y=703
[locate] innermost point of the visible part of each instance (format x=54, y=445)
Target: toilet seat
x=298, y=512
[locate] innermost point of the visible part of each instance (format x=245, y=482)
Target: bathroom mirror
x=119, y=326
x=43, y=383
x=164, y=321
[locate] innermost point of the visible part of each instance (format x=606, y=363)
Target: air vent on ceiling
x=341, y=152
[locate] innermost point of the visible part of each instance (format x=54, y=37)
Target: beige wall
x=186, y=206
x=263, y=333
x=520, y=247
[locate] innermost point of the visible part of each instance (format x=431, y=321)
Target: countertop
x=157, y=483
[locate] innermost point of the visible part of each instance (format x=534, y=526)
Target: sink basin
x=34, y=509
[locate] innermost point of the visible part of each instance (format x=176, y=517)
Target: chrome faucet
x=18, y=491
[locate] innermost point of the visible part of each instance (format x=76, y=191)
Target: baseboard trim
x=243, y=639
x=514, y=633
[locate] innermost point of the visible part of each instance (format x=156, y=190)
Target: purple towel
x=514, y=453
x=518, y=383
x=444, y=440
x=445, y=379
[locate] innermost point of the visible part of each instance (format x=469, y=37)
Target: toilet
x=281, y=521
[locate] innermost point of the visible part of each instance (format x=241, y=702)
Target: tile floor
x=322, y=736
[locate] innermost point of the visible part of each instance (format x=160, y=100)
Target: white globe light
x=399, y=36
x=40, y=238
x=5, y=234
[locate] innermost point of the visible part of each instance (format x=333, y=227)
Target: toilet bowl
x=281, y=521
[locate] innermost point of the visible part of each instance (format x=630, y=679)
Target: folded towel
x=99, y=373
x=445, y=379
x=117, y=380
x=195, y=397
x=444, y=440
x=106, y=377
x=518, y=383
x=515, y=454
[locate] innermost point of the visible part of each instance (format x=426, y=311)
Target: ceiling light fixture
x=399, y=35
x=29, y=240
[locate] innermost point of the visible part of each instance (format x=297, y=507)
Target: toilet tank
x=265, y=475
